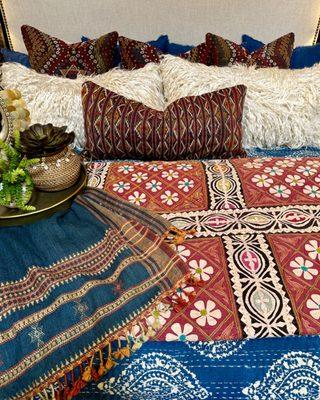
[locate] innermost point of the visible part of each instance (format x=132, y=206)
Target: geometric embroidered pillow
x=52, y=56
x=275, y=54
x=195, y=127
x=135, y=54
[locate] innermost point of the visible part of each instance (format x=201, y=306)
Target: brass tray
x=46, y=203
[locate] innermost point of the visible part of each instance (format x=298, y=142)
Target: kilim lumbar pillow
x=205, y=126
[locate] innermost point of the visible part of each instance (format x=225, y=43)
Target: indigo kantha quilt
x=72, y=287
x=255, y=254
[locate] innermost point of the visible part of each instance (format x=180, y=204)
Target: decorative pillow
x=135, y=54
x=302, y=57
x=275, y=54
x=58, y=100
x=281, y=106
x=176, y=49
x=206, y=126
x=53, y=56
x=161, y=43
x=15, y=56
x=199, y=54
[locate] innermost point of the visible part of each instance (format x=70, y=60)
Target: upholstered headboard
x=185, y=21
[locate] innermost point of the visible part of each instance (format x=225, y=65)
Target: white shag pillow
x=57, y=100
x=282, y=107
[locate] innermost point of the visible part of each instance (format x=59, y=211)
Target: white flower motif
x=159, y=315
x=317, y=178
x=121, y=186
x=170, y=175
x=262, y=180
x=303, y=267
x=137, y=198
x=312, y=191
x=139, y=177
x=314, y=305
x=169, y=198
x=200, y=269
x=273, y=171
x=125, y=169
x=280, y=191
x=306, y=170
x=205, y=313
x=155, y=167
x=314, y=163
x=186, y=184
x=154, y=185
x=253, y=164
x=181, y=333
x=184, y=292
x=287, y=162
x=184, y=167
x=295, y=180
x=183, y=252
x=1, y=186
x=313, y=249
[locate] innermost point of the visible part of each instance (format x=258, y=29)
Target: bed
x=243, y=323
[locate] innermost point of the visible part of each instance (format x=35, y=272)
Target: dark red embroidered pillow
x=275, y=54
x=135, y=54
x=199, y=54
x=53, y=56
x=195, y=127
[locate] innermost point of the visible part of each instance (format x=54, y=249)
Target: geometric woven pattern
x=195, y=127
x=256, y=249
x=275, y=54
x=135, y=54
x=199, y=54
x=53, y=56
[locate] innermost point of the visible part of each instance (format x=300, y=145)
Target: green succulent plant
x=16, y=185
x=45, y=140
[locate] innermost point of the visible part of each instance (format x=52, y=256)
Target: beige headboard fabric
x=185, y=21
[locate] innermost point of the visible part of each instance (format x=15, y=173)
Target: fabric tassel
x=177, y=236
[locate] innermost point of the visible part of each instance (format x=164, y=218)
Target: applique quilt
x=256, y=250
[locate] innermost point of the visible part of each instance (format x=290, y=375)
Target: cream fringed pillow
x=58, y=100
x=282, y=107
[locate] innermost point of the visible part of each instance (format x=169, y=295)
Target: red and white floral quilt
x=257, y=246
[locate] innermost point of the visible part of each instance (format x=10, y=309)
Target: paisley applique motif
x=217, y=349
x=293, y=376
x=155, y=376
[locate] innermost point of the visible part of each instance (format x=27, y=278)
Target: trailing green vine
x=16, y=185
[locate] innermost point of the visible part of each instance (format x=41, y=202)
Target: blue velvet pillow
x=161, y=43
x=305, y=56
x=302, y=57
x=251, y=44
x=15, y=56
x=176, y=49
